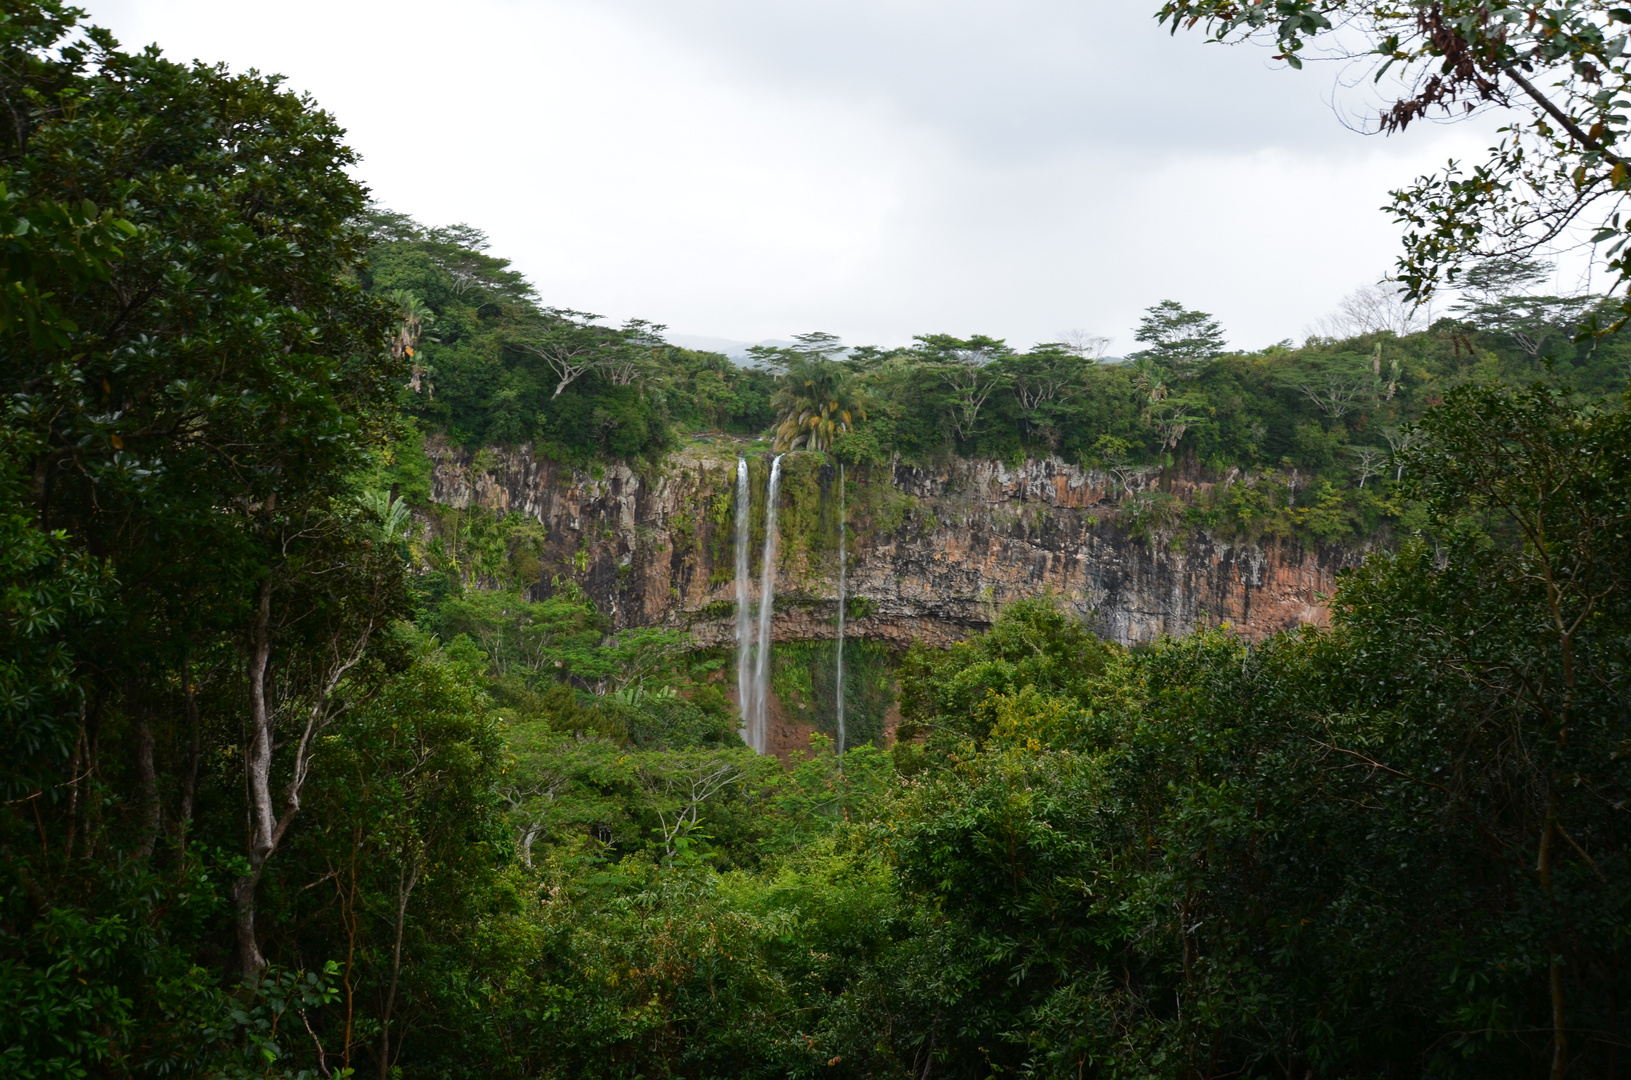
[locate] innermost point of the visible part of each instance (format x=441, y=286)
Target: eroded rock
x=935, y=553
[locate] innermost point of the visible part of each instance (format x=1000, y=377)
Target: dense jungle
x=293, y=783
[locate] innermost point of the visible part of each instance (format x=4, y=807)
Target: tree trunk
x=405, y=885
x=250, y=960
x=81, y=755
x=147, y=787
x=1554, y=971
x=258, y=784
x=195, y=753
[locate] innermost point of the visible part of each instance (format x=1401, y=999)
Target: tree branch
x=1560, y=116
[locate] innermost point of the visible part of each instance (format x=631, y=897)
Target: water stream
x=839, y=674
x=767, y=605
x=744, y=605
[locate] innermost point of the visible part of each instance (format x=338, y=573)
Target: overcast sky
x=752, y=169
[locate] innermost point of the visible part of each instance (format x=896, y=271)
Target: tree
x=1399, y=441
x=1179, y=340
x=1151, y=379
x=816, y=399
x=1556, y=71
x=571, y=344
x=967, y=370
x=1173, y=417
x=1373, y=309
x=192, y=382
x=815, y=345
x=1040, y=378
x=413, y=317
x=1532, y=322
x=1502, y=276
x=642, y=343
x=1532, y=494
x=1369, y=461
x=678, y=786
x=1334, y=392
x=1335, y=385
x=346, y=585
x=1083, y=344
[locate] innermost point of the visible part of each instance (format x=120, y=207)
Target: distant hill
x=736, y=350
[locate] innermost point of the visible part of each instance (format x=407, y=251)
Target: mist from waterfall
x=839, y=674
x=744, y=608
x=767, y=606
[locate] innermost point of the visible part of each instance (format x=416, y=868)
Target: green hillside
x=1311, y=427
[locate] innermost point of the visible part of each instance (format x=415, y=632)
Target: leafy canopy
x=1559, y=72
x=1179, y=339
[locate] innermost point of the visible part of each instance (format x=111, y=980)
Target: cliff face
x=933, y=554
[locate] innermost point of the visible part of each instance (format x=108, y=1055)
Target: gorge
x=937, y=552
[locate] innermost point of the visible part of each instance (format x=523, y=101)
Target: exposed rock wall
x=934, y=552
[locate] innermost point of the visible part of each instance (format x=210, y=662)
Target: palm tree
x=413, y=315
x=815, y=403
x=1151, y=379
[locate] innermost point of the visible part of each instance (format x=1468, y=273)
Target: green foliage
x=815, y=398
x=1201, y=855
x=254, y=823
x=45, y=586
x=1557, y=71
x=192, y=377
x=1032, y=644
x=803, y=675
x=495, y=366
x=1178, y=338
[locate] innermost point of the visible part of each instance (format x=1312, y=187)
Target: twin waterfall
x=753, y=651
x=839, y=682
x=753, y=736
x=767, y=606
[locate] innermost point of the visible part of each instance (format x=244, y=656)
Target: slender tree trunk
x=1560, y=1033
x=266, y=827
x=928, y=1053
x=404, y=888
x=147, y=786
x=348, y=916
x=195, y=753
x=258, y=781
x=74, y=763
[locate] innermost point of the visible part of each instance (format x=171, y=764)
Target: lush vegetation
x=279, y=800
x=490, y=364
x=1295, y=439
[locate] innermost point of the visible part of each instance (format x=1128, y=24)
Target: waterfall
x=839, y=674
x=744, y=606
x=767, y=602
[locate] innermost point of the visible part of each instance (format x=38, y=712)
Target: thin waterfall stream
x=744, y=607
x=838, y=675
x=767, y=605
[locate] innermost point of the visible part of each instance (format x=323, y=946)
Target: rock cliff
x=934, y=553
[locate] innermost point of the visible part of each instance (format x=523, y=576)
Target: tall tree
x=969, y=371
x=189, y=403
x=1045, y=376
x=817, y=398
x=1178, y=339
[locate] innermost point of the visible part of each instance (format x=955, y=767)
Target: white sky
x=752, y=169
